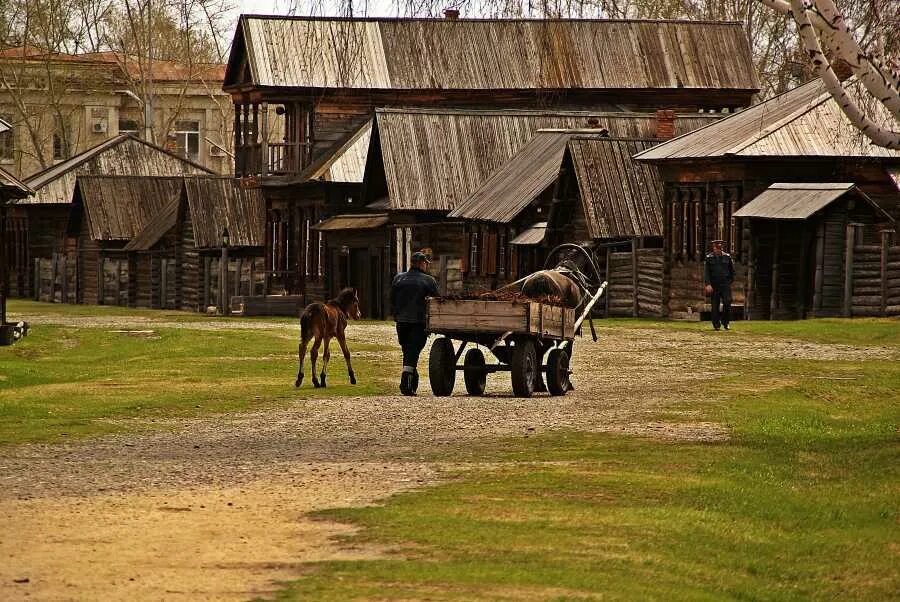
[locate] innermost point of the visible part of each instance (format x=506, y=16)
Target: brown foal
x=324, y=321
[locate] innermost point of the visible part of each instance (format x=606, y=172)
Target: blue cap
x=420, y=256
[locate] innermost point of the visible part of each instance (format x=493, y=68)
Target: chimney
x=665, y=124
x=451, y=14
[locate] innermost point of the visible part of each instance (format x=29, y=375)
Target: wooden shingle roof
x=799, y=201
x=804, y=122
x=436, y=158
x=217, y=203
x=122, y=155
x=489, y=54
x=621, y=197
x=118, y=208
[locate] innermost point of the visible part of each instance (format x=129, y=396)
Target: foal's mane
x=344, y=298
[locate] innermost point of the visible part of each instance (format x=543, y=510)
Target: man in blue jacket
x=409, y=290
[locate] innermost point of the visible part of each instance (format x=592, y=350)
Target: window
x=501, y=260
x=187, y=139
x=7, y=142
x=473, y=252
x=62, y=140
x=129, y=126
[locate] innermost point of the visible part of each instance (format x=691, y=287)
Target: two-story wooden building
x=319, y=81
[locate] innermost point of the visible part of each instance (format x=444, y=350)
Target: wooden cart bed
x=471, y=316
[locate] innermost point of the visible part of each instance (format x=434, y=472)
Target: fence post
x=634, y=277
x=885, y=246
x=849, y=243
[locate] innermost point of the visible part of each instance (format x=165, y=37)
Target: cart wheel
x=476, y=380
x=558, y=372
x=524, y=368
x=442, y=367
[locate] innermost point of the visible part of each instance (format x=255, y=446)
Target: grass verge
x=800, y=503
x=63, y=382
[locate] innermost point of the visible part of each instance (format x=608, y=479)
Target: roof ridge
x=483, y=20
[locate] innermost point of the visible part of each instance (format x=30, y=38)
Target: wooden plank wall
x=876, y=279
x=644, y=268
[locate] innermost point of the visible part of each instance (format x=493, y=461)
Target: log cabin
x=156, y=241
x=799, y=142
x=318, y=81
x=38, y=224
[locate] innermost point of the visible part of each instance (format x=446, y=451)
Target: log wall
x=875, y=278
x=635, y=282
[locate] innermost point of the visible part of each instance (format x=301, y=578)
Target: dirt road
x=213, y=509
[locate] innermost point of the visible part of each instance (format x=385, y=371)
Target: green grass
x=803, y=502
x=62, y=382
x=858, y=331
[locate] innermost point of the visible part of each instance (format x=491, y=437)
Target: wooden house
x=39, y=222
x=319, y=81
x=801, y=137
x=157, y=241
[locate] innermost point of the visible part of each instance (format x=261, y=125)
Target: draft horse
x=324, y=321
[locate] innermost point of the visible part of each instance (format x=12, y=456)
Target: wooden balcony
x=270, y=159
x=255, y=153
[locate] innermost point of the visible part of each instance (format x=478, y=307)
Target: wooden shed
x=40, y=222
x=803, y=253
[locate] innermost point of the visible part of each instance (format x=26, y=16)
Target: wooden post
x=238, y=274
x=634, y=278
x=36, y=286
x=885, y=248
x=223, y=282
x=803, y=276
x=750, y=286
x=249, y=166
x=238, y=151
x=264, y=139
x=207, y=264
x=820, y=267
x=849, y=243
x=606, y=300
x=64, y=285
x=773, y=297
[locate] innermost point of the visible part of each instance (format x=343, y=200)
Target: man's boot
x=406, y=381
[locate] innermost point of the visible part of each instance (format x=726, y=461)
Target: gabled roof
x=799, y=201
x=217, y=203
x=142, y=209
x=118, y=208
x=805, y=122
x=489, y=54
x=122, y=155
x=345, y=163
x=621, y=197
x=434, y=159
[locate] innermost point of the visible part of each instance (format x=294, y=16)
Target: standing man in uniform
x=409, y=290
x=718, y=274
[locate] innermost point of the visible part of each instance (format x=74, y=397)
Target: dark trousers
x=412, y=339
x=721, y=296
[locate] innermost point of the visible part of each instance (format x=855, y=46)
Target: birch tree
x=826, y=37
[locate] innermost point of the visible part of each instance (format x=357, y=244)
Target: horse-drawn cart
x=530, y=339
